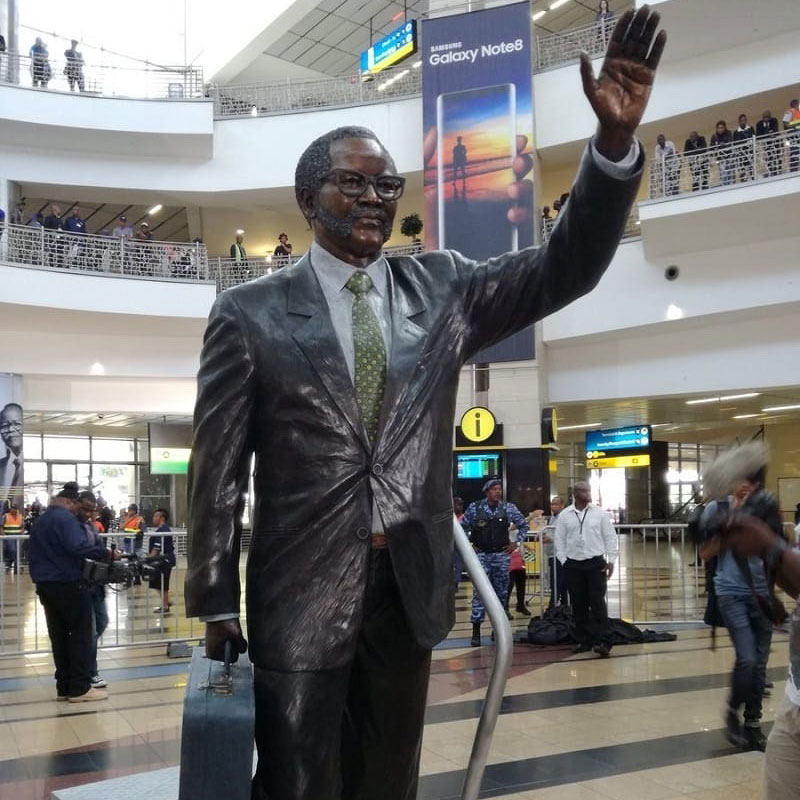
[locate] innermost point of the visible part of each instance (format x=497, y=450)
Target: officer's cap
x=491, y=482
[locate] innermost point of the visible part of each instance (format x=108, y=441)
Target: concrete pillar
x=194, y=219
x=9, y=27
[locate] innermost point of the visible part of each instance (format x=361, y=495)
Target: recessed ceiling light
x=557, y=4
x=578, y=427
x=674, y=312
x=538, y=15
x=155, y=209
x=702, y=400
x=739, y=396
x=745, y=416
x=782, y=408
x=240, y=232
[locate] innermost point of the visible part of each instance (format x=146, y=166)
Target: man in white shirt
x=586, y=544
x=667, y=164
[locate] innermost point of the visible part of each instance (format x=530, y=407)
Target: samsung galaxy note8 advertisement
x=478, y=135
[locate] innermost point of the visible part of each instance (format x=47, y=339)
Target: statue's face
x=355, y=227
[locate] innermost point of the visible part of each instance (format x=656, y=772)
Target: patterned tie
x=370, y=354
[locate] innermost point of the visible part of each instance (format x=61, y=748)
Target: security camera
x=671, y=272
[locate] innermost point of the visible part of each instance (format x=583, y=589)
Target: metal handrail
x=555, y=49
x=36, y=246
x=155, y=83
x=632, y=226
x=502, y=663
x=750, y=160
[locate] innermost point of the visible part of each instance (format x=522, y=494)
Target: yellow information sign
x=477, y=424
x=618, y=461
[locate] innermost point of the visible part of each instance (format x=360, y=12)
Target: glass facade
x=686, y=464
x=117, y=468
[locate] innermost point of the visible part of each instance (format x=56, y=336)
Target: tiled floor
x=644, y=724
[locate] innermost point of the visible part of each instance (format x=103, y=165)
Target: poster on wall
x=11, y=456
x=478, y=136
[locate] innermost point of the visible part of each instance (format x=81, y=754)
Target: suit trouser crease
x=495, y=565
x=751, y=634
x=68, y=611
x=353, y=733
x=586, y=584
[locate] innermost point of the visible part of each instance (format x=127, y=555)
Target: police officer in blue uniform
x=487, y=524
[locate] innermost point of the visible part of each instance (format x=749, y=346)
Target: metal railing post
x=121, y=255
x=41, y=246
x=502, y=663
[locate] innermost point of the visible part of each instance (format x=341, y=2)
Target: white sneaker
x=97, y=682
x=89, y=696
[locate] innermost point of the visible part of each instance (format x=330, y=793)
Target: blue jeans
x=100, y=617
x=751, y=634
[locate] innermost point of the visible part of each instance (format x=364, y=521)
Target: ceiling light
x=240, y=232
x=674, y=312
x=745, y=416
x=397, y=16
x=155, y=209
x=703, y=400
x=97, y=369
x=739, y=396
x=578, y=427
x=782, y=408
x=417, y=64
x=538, y=15
x=557, y=4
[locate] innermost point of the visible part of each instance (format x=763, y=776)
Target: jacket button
x=362, y=533
x=377, y=469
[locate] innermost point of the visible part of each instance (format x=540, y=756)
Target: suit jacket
x=273, y=382
x=766, y=126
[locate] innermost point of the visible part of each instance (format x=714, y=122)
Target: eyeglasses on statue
x=353, y=184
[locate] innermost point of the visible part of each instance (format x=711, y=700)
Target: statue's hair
x=746, y=462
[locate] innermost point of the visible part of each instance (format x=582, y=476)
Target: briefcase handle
x=224, y=685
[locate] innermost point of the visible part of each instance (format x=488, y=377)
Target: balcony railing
x=228, y=272
x=155, y=83
x=554, y=49
x=306, y=95
x=35, y=246
x=632, y=229
x=754, y=159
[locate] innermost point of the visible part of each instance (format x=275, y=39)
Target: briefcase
x=218, y=729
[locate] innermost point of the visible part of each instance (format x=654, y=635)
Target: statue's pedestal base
x=160, y=784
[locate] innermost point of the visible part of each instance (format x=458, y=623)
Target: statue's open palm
x=619, y=94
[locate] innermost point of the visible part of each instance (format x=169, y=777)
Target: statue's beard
x=342, y=227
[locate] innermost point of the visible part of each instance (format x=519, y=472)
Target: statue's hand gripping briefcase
x=218, y=729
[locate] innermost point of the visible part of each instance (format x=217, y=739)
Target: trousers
x=782, y=759
x=586, y=583
x=751, y=634
x=353, y=733
x=495, y=565
x=558, y=584
x=69, y=615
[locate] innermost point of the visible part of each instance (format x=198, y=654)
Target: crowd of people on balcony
x=735, y=152
x=41, y=69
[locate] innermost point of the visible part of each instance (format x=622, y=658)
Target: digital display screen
x=477, y=465
x=636, y=437
x=391, y=50
x=170, y=448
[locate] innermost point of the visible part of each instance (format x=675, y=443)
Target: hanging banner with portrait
x=11, y=458
x=478, y=136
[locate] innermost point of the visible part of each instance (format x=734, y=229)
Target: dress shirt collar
x=333, y=273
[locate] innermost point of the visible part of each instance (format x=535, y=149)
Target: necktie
x=370, y=354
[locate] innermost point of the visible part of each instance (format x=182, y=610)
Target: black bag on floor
x=554, y=627
x=218, y=729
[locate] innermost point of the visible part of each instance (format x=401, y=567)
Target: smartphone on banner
x=476, y=147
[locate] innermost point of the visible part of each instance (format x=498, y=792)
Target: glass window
x=143, y=450
x=66, y=448
x=35, y=471
x=61, y=473
x=84, y=475
x=116, y=482
x=32, y=446
x=112, y=450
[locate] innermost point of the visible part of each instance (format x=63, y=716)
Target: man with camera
x=57, y=548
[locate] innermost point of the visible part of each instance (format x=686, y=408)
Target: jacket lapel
x=408, y=338
x=313, y=331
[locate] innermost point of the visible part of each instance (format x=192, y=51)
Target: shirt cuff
x=617, y=169
x=218, y=617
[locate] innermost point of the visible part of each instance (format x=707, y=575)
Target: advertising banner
x=11, y=458
x=478, y=134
